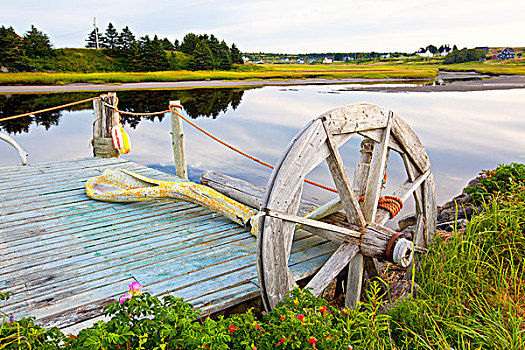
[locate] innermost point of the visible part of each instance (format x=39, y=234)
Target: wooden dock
x=65, y=256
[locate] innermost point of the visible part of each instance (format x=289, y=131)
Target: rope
x=239, y=151
x=49, y=109
x=390, y=203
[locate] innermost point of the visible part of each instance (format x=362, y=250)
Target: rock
x=407, y=220
x=472, y=183
x=461, y=224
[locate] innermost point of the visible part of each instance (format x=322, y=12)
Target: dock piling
x=177, y=142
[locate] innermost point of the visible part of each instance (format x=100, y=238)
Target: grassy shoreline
x=266, y=72
x=373, y=71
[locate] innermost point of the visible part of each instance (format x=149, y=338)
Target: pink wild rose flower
x=126, y=296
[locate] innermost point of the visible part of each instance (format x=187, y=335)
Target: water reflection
x=463, y=132
x=197, y=103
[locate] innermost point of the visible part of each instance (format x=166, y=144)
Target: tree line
x=17, y=51
x=34, y=50
x=204, y=52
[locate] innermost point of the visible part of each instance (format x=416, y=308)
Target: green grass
x=490, y=67
x=472, y=284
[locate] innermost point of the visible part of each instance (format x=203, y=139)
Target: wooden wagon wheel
x=364, y=236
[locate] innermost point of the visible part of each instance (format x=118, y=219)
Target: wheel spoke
x=340, y=176
x=332, y=267
x=377, y=169
x=354, y=282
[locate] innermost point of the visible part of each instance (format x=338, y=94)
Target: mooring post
x=105, y=119
x=177, y=142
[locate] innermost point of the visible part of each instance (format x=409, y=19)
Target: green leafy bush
x=504, y=179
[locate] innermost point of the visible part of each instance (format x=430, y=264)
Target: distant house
x=485, y=49
x=310, y=61
x=446, y=51
x=507, y=54
x=259, y=62
x=246, y=58
x=300, y=61
x=328, y=59
x=426, y=53
x=385, y=55
x=285, y=59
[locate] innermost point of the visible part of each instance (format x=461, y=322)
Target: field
x=103, y=70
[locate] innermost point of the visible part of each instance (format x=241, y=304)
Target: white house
x=300, y=61
x=246, y=58
x=446, y=51
x=425, y=54
x=328, y=59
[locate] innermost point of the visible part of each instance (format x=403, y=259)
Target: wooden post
x=105, y=119
x=177, y=142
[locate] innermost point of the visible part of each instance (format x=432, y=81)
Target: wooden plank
x=340, y=176
x=332, y=268
x=156, y=262
x=356, y=118
x=354, y=282
x=430, y=208
x=375, y=178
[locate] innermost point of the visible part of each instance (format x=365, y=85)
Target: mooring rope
x=50, y=109
x=242, y=152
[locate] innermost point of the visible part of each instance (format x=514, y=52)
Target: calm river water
x=464, y=132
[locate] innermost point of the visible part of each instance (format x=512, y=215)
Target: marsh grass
x=265, y=72
x=472, y=285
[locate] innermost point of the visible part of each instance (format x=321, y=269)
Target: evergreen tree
x=11, y=53
x=134, y=57
x=223, y=58
x=236, y=55
x=125, y=39
x=153, y=56
x=111, y=38
x=166, y=44
x=202, y=57
x=92, y=39
x=176, y=45
x=454, y=47
x=189, y=43
x=36, y=43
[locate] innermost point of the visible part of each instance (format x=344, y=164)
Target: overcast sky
x=286, y=26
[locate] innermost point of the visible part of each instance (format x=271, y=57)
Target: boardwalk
x=65, y=256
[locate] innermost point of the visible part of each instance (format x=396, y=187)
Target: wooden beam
x=340, y=231
x=332, y=268
x=354, y=282
x=375, y=178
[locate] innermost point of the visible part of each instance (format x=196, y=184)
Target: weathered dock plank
x=65, y=256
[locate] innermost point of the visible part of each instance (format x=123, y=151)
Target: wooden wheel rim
x=312, y=145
